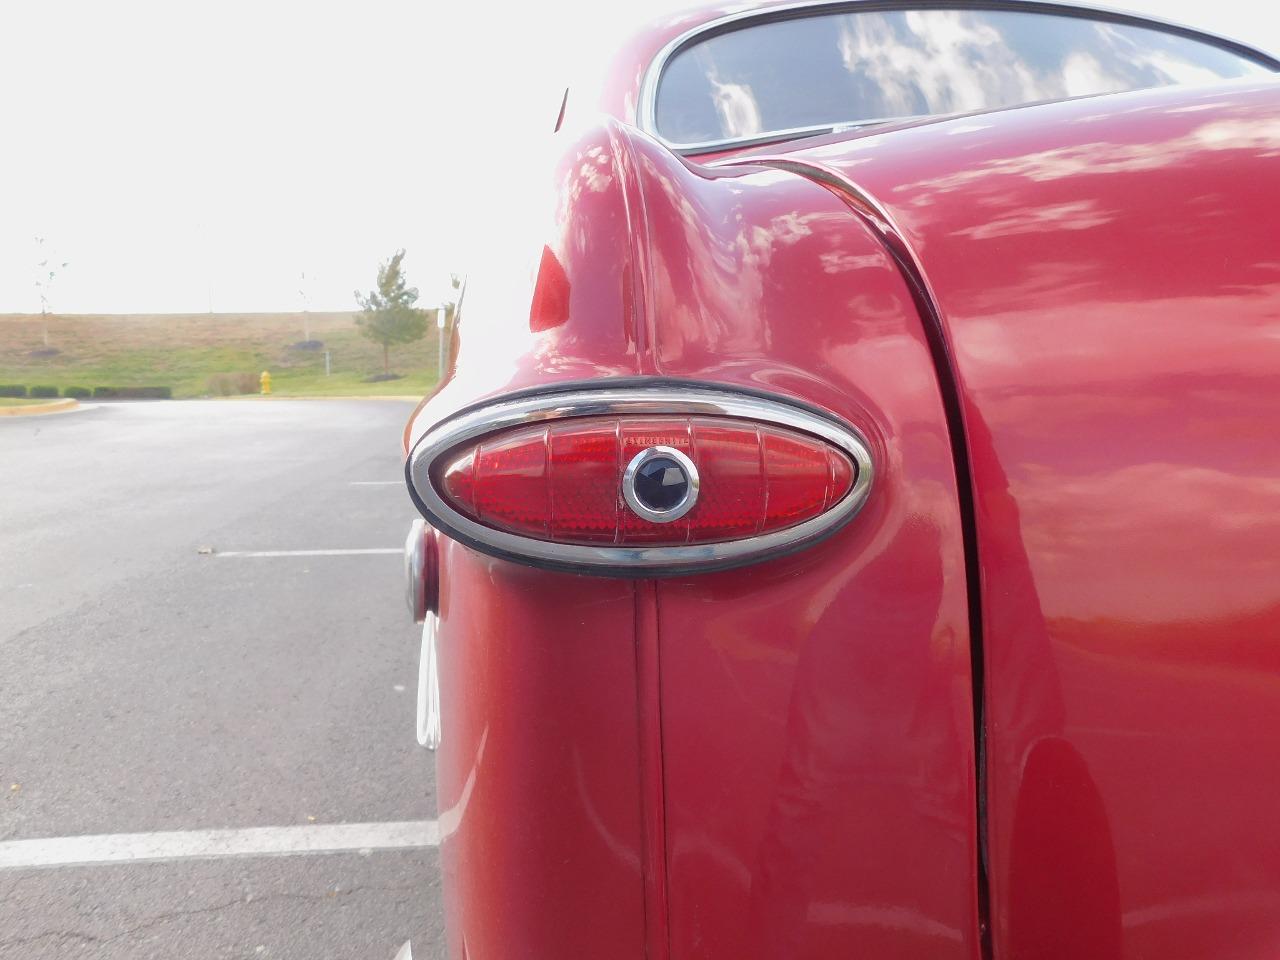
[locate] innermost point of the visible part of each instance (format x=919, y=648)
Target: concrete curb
x=280, y=396
x=39, y=409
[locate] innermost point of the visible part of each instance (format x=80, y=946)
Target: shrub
x=220, y=385
x=43, y=393
x=132, y=393
x=12, y=390
x=229, y=384
x=78, y=393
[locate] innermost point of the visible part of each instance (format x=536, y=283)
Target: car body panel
x=1107, y=276
x=538, y=775
x=545, y=828
x=816, y=711
x=743, y=706
x=1069, y=308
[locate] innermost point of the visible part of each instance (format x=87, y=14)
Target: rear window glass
x=846, y=69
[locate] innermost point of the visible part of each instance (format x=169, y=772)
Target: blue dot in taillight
x=661, y=484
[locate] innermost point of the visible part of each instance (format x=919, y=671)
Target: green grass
x=184, y=351
x=298, y=384
x=21, y=401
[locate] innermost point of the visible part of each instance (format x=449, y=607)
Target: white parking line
x=375, y=551
x=205, y=844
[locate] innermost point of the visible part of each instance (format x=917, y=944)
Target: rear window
x=837, y=70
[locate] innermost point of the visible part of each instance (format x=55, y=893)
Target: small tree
x=388, y=315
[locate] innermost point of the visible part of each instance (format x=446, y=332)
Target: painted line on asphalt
x=210, y=844
x=377, y=483
x=375, y=551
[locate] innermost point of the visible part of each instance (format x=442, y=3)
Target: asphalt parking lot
x=153, y=690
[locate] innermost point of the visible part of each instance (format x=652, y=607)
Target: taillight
x=639, y=480
x=648, y=481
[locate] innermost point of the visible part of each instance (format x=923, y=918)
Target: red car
x=854, y=505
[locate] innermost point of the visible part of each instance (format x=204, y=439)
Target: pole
x=306, y=305
x=326, y=363
x=440, y=342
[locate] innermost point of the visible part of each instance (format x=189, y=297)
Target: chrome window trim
x=638, y=560
x=647, y=104
x=633, y=499
x=776, y=136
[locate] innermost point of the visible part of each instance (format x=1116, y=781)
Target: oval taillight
x=640, y=482
x=567, y=482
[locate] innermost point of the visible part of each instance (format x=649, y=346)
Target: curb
x=416, y=398
x=39, y=409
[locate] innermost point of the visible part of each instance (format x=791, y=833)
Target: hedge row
x=102, y=393
x=230, y=384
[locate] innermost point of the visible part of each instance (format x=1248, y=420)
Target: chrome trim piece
x=795, y=133
x=758, y=140
x=427, y=725
x=647, y=105
x=643, y=510
x=638, y=560
x=415, y=568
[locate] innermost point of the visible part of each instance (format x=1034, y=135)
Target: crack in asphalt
x=163, y=918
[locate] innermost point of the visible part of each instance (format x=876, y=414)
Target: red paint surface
x=778, y=761
x=1108, y=272
x=791, y=741
x=817, y=721
x=538, y=777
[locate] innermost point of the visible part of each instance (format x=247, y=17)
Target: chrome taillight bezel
x=656, y=400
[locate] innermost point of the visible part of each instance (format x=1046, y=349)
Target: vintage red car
x=854, y=504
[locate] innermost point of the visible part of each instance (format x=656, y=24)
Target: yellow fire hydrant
x=265, y=380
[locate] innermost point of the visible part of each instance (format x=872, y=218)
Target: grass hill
x=207, y=354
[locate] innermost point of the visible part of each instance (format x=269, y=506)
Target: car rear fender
x=749, y=763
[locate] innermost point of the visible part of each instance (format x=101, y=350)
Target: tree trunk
x=386, y=365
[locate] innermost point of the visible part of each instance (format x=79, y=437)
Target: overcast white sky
x=187, y=156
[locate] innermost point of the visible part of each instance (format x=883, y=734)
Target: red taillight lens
x=564, y=482
x=645, y=479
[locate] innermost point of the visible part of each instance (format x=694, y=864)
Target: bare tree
x=46, y=274
x=306, y=307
